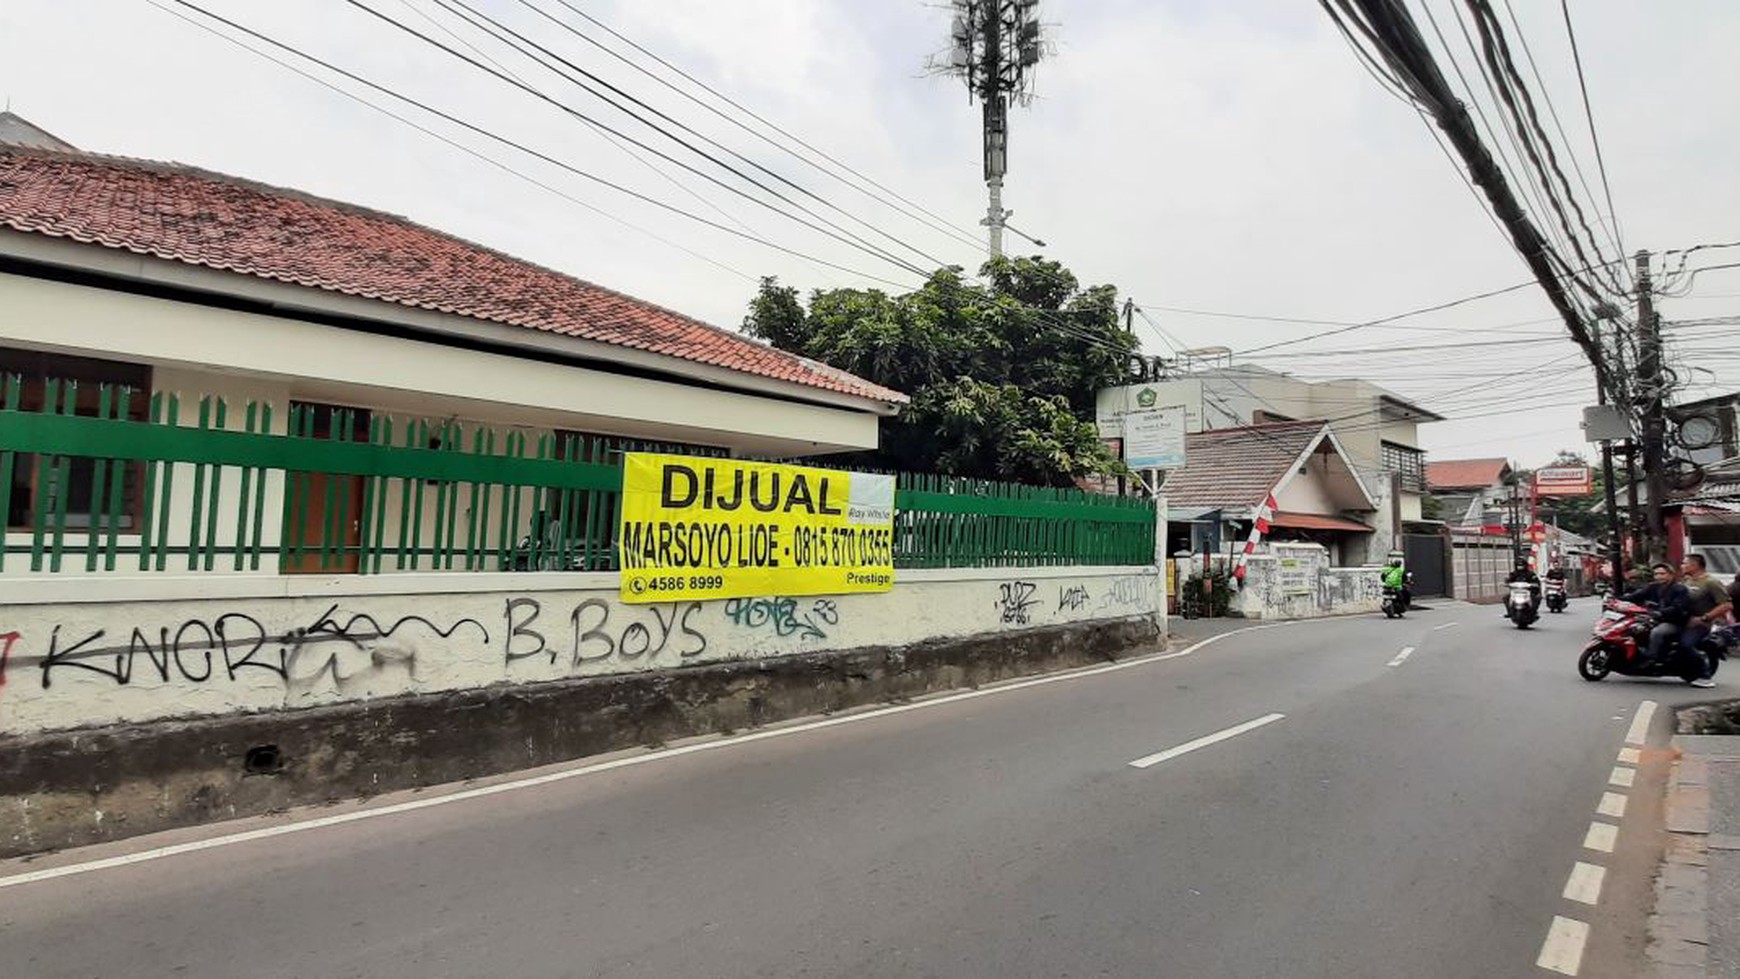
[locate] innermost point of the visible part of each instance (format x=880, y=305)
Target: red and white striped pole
x=1259, y=529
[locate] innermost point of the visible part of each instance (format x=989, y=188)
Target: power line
x=832, y=231
x=495, y=137
x=505, y=168
x=942, y=223
x=1589, y=115
x=1553, y=112
x=521, y=42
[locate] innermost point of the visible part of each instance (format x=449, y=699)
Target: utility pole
x=1609, y=494
x=995, y=43
x=1653, y=388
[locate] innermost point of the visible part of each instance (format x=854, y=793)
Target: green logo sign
x=1146, y=397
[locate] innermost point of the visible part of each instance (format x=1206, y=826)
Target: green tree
x=1002, y=374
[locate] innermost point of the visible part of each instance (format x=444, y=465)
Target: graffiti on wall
x=335, y=647
x=596, y=630
x=1015, y=602
x=63, y=665
x=783, y=617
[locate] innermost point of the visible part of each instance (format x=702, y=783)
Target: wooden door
x=316, y=500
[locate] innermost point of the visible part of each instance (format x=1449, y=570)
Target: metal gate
x=1427, y=556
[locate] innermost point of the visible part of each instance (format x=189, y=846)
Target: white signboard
x=1154, y=438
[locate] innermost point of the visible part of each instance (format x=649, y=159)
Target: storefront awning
x=1316, y=521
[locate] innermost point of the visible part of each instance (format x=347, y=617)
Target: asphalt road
x=1406, y=816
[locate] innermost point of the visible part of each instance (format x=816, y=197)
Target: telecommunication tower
x=994, y=46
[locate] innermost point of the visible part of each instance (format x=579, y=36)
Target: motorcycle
x=1397, y=600
x=1555, y=596
x=1620, y=644
x=1519, y=605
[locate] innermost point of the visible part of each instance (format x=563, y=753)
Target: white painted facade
x=406, y=364
x=87, y=653
x=1363, y=415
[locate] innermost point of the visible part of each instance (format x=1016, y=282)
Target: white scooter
x=1519, y=605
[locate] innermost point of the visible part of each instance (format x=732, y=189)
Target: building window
x=1407, y=462
x=30, y=479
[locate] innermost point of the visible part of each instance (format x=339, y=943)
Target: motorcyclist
x=1395, y=577
x=1524, y=573
x=1708, y=604
x=1672, y=604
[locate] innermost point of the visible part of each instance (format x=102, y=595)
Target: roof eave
x=104, y=260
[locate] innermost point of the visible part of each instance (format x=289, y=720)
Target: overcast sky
x=1218, y=155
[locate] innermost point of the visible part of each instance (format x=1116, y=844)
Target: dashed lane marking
x=1584, y=885
x=1401, y=657
x=1612, y=805
x=1639, y=733
x=1601, y=837
x=1148, y=761
x=1622, y=776
x=1630, y=756
x=1563, y=950
x=1447, y=625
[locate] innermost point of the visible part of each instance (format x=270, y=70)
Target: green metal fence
x=104, y=480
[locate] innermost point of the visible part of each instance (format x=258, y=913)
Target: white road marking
x=1401, y=657
x=1447, y=625
x=1601, y=836
x=1622, y=776
x=1563, y=950
x=1630, y=756
x=1148, y=761
x=1612, y=804
x=1639, y=733
x=1584, y=885
x=499, y=788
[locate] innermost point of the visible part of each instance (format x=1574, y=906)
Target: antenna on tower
x=994, y=46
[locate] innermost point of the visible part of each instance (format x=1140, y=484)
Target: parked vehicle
x=1519, y=605
x=1554, y=595
x=1620, y=644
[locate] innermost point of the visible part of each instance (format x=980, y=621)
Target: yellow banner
x=696, y=529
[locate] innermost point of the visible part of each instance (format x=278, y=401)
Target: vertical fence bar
x=99, y=483
x=405, y=531
x=422, y=442
x=257, y=544
x=296, y=494
x=451, y=438
x=11, y=389
x=366, y=513
x=510, y=526
x=249, y=417
x=220, y=421
x=63, y=483
x=193, y=515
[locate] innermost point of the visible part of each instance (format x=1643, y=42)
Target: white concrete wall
x=81, y=653
x=1296, y=581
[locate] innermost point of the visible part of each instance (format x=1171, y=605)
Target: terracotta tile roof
x=1237, y=467
x=1465, y=473
x=1315, y=521
x=185, y=214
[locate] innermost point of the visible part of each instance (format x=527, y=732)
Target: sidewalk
x=1695, y=929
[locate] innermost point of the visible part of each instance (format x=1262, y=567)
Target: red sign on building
x=1564, y=481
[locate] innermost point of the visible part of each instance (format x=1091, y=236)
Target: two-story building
x=1378, y=429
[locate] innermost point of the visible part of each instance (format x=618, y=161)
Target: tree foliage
x=1002, y=374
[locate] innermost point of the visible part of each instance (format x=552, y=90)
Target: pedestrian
x=1672, y=605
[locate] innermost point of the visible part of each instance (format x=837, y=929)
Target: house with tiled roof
x=1229, y=473
x=163, y=277
x=1467, y=488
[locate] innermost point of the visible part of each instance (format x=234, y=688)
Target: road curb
x=1679, y=931
x=1679, y=937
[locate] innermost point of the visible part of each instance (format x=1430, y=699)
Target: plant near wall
x=1002, y=372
